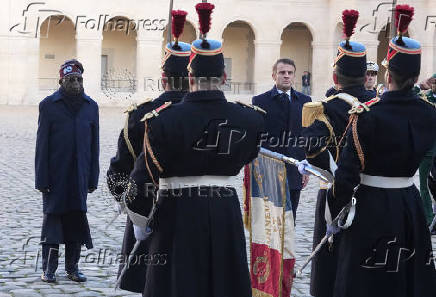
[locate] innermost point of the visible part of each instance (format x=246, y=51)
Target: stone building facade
x=120, y=43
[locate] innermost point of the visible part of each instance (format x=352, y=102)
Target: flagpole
x=169, y=28
x=393, y=32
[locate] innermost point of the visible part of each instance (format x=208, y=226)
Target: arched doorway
x=56, y=45
x=238, y=47
x=118, y=57
x=297, y=45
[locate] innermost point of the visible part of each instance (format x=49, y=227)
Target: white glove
x=141, y=233
x=332, y=229
x=302, y=167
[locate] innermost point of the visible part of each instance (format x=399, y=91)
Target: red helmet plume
x=349, y=18
x=204, y=11
x=178, y=23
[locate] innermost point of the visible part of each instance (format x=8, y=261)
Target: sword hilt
x=313, y=170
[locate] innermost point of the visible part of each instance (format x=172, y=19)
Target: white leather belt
x=178, y=182
x=386, y=182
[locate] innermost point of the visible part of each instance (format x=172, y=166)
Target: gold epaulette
x=315, y=111
x=311, y=112
x=147, y=100
x=131, y=108
x=155, y=112
x=256, y=108
x=365, y=106
x=329, y=98
x=344, y=97
x=134, y=106
x=351, y=100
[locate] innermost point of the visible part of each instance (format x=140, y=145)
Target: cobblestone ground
x=21, y=216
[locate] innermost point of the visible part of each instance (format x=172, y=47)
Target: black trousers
x=50, y=257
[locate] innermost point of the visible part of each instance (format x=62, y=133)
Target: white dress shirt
x=288, y=92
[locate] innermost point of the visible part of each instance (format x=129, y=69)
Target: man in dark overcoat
x=66, y=170
x=283, y=105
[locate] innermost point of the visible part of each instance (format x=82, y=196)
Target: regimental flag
x=269, y=220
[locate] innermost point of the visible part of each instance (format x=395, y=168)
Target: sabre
x=112, y=221
x=135, y=248
x=348, y=211
x=121, y=207
x=127, y=264
x=324, y=175
x=433, y=223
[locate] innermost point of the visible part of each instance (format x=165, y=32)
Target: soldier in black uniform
x=198, y=147
x=326, y=123
x=387, y=250
x=130, y=146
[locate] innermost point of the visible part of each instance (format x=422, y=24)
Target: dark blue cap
x=207, y=58
x=351, y=58
x=404, y=57
x=176, y=58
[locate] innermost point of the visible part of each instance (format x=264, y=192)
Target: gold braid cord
x=350, y=120
x=147, y=148
x=127, y=140
x=354, y=115
x=359, y=150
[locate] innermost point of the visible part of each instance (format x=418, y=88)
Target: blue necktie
x=285, y=97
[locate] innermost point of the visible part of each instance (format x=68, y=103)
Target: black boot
x=72, y=257
x=50, y=257
x=48, y=277
x=76, y=276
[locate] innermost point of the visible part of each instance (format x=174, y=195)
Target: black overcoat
x=198, y=242
x=387, y=250
x=67, y=153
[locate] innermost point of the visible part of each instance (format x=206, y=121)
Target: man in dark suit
x=283, y=123
x=66, y=170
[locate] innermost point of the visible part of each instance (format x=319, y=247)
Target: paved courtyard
x=21, y=216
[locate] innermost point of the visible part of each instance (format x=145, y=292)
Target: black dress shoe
x=76, y=276
x=48, y=277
